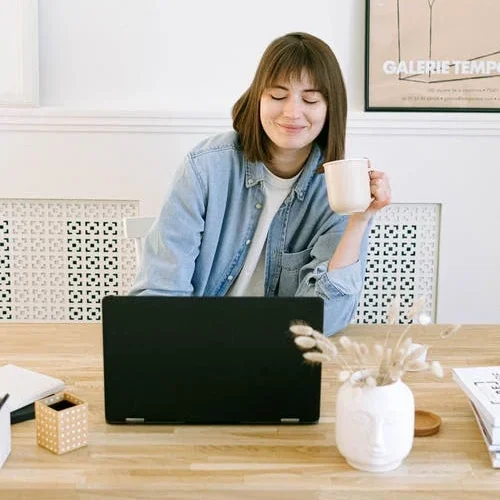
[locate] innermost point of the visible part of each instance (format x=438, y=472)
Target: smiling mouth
x=291, y=128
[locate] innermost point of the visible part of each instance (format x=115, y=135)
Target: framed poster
x=432, y=55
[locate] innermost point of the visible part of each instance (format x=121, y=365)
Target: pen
x=2, y=401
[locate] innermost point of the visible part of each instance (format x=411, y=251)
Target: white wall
x=176, y=55
x=127, y=86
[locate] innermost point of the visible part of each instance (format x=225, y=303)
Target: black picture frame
x=432, y=55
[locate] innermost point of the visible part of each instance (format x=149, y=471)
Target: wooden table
x=242, y=462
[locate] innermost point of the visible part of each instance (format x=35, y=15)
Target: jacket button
x=248, y=242
x=230, y=277
x=259, y=206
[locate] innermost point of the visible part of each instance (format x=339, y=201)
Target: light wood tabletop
x=243, y=462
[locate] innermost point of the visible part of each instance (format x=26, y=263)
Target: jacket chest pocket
x=291, y=265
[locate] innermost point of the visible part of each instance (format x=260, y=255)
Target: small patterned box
x=61, y=422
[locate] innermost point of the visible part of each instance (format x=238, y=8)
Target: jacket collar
x=254, y=172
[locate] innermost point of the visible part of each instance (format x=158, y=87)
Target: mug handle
x=370, y=169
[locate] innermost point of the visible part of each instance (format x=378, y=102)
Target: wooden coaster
x=426, y=423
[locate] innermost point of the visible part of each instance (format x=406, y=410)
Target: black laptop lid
x=208, y=360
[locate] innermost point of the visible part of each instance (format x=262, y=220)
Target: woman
x=248, y=212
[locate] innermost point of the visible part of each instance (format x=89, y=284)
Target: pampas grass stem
x=305, y=342
x=301, y=329
x=324, y=344
x=316, y=357
x=437, y=369
x=377, y=366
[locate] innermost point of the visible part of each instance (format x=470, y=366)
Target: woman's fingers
x=380, y=189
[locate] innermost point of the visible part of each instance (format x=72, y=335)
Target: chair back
x=136, y=229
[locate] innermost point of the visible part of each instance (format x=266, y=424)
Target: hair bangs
x=291, y=64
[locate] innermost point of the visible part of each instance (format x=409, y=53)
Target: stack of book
x=482, y=387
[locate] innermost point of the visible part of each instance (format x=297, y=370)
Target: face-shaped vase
x=375, y=425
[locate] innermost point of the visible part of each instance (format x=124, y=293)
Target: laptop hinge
x=290, y=420
x=130, y=420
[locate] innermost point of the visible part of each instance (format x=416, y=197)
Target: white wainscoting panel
x=402, y=260
x=59, y=258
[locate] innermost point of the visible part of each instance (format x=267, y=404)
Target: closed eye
x=307, y=101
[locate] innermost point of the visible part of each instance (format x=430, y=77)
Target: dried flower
x=414, y=355
x=416, y=365
x=305, y=342
x=395, y=373
x=378, y=352
x=393, y=312
x=416, y=308
x=437, y=369
x=381, y=364
x=345, y=342
x=423, y=319
x=406, y=345
x=301, y=329
x=316, y=357
x=365, y=352
x=450, y=331
x=386, y=358
x=325, y=345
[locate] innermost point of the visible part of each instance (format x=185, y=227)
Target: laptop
x=208, y=360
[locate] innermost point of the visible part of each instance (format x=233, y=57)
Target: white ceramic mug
x=348, y=185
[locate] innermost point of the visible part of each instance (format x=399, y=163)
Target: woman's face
x=292, y=114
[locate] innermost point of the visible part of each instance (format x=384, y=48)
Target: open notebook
x=25, y=386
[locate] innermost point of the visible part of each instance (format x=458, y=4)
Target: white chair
x=136, y=229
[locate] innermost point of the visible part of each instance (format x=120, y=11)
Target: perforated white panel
x=402, y=259
x=58, y=258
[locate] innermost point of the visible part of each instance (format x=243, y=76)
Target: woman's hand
x=380, y=190
x=381, y=196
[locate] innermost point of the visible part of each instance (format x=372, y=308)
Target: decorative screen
x=58, y=258
x=402, y=259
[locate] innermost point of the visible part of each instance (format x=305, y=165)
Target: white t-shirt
x=250, y=281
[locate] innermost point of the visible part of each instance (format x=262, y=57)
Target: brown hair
x=288, y=56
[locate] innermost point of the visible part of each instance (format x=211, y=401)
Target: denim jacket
x=199, y=242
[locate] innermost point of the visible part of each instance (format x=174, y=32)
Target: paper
x=26, y=386
x=482, y=385
x=493, y=433
x=484, y=431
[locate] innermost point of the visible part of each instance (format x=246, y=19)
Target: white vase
x=375, y=425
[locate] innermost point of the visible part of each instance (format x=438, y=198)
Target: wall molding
x=164, y=122
x=25, y=25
